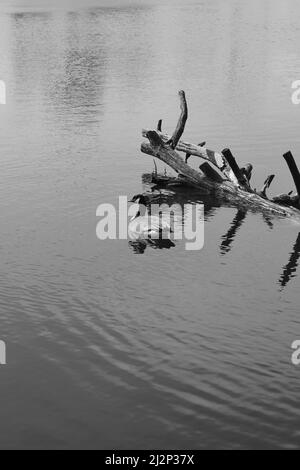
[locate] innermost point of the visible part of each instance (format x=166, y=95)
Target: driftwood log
x=223, y=177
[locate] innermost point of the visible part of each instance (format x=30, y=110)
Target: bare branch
x=181, y=121
x=293, y=169
x=234, y=167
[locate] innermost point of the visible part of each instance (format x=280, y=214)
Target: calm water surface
x=107, y=348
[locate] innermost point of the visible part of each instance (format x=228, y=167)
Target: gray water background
x=169, y=349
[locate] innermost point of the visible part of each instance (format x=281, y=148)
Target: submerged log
x=196, y=150
x=226, y=189
x=166, y=154
x=237, y=191
x=211, y=173
x=214, y=158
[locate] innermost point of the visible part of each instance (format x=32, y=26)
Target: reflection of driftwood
x=166, y=190
x=290, y=269
x=268, y=221
x=230, y=235
x=231, y=187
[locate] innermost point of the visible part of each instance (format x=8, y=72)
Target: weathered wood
x=158, y=149
x=165, y=182
x=226, y=189
x=233, y=184
x=267, y=184
x=188, y=155
x=198, y=151
x=240, y=178
x=211, y=173
x=293, y=169
x=215, y=158
x=181, y=121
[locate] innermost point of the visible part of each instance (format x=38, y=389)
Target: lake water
x=169, y=348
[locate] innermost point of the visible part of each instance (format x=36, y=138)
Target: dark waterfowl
x=247, y=171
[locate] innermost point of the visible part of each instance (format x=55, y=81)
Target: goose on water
x=146, y=226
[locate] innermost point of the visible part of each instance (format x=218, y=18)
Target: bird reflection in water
x=139, y=246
